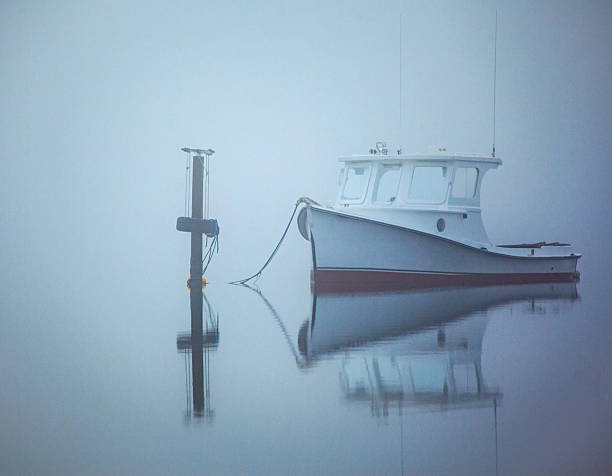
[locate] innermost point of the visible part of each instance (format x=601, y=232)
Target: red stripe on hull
x=364, y=280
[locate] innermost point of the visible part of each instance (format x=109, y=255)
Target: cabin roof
x=476, y=158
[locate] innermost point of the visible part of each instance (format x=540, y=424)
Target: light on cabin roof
x=381, y=148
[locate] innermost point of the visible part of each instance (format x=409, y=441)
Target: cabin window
x=464, y=185
x=387, y=183
x=355, y=182
x=428, y=375
x=466, y=378
x=428, y=184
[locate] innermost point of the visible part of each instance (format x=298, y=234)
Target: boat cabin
x=438, y=193
x=418, y=180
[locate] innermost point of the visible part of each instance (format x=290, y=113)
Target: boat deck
x=539, y=244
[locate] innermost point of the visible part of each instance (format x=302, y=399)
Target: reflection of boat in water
x=416, y=350
x=340, y=321
x=419, y=347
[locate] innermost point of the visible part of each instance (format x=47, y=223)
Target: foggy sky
x=98, y=98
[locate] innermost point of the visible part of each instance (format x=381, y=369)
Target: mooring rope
x=258, y=273
x=298, y=360
x=214, y=246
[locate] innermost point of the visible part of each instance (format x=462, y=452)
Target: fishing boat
x=415, y=220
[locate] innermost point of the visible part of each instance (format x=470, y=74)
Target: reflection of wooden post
x=196, y=287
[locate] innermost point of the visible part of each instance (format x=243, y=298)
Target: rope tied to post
x=300, y=200
x=214, y=246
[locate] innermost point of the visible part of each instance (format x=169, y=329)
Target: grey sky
x=98, y=97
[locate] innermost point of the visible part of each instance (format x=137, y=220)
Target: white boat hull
x=350, y=248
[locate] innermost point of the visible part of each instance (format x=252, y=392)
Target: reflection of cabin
x=439, y=380
x=435, y=369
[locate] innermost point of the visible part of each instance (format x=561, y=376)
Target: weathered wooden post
x=196, y=287
x=197, y=225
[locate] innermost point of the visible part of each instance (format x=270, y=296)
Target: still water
x=97, y=376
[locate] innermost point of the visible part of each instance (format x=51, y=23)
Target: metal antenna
x=204, y=156
x=494, y=81
x=496, y=451
x=399, y=151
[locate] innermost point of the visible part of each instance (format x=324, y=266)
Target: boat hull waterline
x=350, y=250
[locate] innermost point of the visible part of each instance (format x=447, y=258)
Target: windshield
x=428, y=184
x=356, y=181
x=387, y=183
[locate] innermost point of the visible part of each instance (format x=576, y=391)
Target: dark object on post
x=210, y=339
x=198, y=225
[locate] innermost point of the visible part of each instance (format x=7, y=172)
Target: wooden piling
x=197, y=194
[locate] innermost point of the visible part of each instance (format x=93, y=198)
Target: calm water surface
x=97, y=375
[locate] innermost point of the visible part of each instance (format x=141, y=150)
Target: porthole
x=441, y=224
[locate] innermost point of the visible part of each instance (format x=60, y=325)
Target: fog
x=99, y=97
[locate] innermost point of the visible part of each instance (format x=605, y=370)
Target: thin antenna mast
x=496, y=451
x=494, y=81
x=399, y=151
